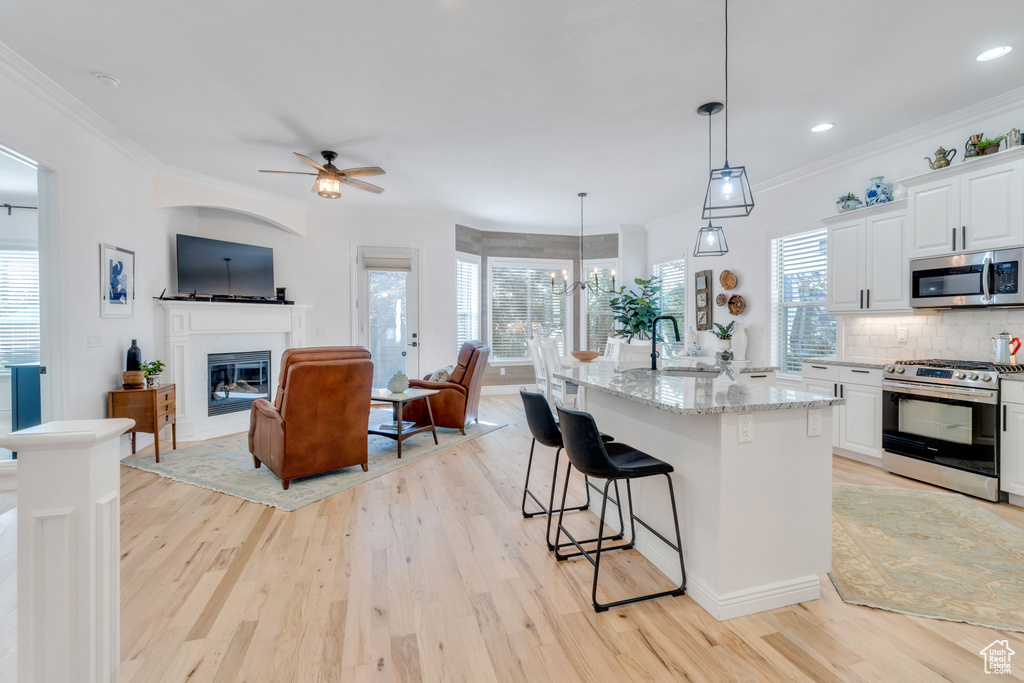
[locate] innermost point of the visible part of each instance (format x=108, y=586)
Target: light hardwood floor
x=430, y=573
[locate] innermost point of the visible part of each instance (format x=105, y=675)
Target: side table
x=400, y=433
x=151, y=408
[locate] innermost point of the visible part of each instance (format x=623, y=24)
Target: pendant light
x=581, y=285
x=710, y=239
x=728, y=194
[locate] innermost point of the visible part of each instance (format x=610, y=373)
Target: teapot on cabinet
x=941, y=160
x=1001, y=347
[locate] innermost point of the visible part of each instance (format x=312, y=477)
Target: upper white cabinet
x=971, y=206
x=867, y=269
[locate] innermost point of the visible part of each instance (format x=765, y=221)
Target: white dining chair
x=552, y=363
x=540, y=374
x=611, y=348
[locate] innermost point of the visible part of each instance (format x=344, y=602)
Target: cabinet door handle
x=835, y=390
x=863, y=372
x=869, y=299
x=963, y=236
x=954, y=239
x=758, y=376
x=1004, y=417
x=862, y=298
x=841, y=391
x=819, y=367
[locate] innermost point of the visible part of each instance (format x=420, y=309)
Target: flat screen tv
x=208, y=266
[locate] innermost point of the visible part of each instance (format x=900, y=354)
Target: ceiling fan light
x=328, y=187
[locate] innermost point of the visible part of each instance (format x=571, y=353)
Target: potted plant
x=152, y=369
x=989, y=146
x=636, y=311
x=724, y=334
x=848, y=202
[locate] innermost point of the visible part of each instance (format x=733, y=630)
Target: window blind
x=19, y=307
x=600, y=322
x=523, y=307
x=801, y=327
x=672, y=297
x=467, y=301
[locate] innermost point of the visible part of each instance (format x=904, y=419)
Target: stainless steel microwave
x=981, y=278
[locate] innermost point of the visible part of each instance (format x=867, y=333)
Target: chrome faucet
x=654, y=337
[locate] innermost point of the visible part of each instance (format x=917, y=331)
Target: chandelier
x=592, y=281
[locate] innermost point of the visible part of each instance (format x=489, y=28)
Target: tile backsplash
x=957, y=334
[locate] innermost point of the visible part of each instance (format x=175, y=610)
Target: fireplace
x=236, y=380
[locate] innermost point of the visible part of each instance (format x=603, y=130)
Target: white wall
x=798, y=202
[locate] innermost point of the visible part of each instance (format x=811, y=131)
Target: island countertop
x=690, y=392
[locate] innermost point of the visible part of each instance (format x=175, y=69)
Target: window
x=801, y=328
x=467, y=298
x=672, y=279
x=19, y=307
x=525, y=306
x=599, y=323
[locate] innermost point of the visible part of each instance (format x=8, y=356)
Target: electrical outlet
x=321, y=331
x=503, y=371
x=901, y=335
x=94, y=341
x=746, y=428
x=814, y=422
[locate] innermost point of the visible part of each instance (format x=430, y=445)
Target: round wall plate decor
x=720, y=299
x=737, y=304
x=728, y=280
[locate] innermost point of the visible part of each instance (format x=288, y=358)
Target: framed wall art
x=703, y=299
x=117, y=282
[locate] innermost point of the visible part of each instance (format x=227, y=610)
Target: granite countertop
x=1012, y=378
x=871, y=365
x=692, y=391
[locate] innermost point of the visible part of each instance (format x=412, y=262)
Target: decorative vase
x=399, y=383
x=848, y=205
x=134, y=359
x=739, y=342
x=133, y=379
x=879, y=191
x=153, y=380
x=723, y=344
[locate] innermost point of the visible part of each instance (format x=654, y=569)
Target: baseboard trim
x=859, y=457
x=499, y=389
x=9, y=476
x=1014, y=499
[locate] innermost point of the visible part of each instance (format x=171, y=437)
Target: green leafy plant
x=988, y=143
x=636, y=311
x=724, y=331
x=152, y=367
x=849, y=197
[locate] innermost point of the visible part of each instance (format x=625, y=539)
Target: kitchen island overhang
x=756, y=515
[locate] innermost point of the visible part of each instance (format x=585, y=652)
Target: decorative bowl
x=585, y=356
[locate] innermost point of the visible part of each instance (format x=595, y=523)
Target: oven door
x=984, y=278
x=948, y=426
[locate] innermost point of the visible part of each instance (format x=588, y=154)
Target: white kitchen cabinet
x=1011, y=450
x=826, y=388
x=763, y=378
x=857, y=425
x=972, y=206
x=866, y=265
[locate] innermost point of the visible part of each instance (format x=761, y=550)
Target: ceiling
x=502, y=110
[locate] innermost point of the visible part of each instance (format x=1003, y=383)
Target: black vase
x=134, y=361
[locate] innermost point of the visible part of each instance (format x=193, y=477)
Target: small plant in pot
x=724, y=335
x=152, y=369
x=848, y=202
x=989, y=146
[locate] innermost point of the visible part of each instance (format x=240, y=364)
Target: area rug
x=930, y=554
x=225, y=465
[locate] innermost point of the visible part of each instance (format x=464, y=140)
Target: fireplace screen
x=236, y=380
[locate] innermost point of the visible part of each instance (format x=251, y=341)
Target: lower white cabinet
x=765, y=378
x=857, y=425
x=1011, y=449
x=827, y=388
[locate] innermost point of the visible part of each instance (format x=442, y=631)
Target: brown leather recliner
x=318, y=420
x=459, y=398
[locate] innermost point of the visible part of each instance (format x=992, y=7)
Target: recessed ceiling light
x=994, y=53
x=107, y=80
x=821, y=128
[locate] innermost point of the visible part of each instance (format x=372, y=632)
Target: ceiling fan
x=330, y=178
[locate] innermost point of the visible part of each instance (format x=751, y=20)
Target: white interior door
x=388, y=310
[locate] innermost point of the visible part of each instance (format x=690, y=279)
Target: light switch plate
x=94, y=341
x=901, y=335
x=746, y=428
x=814, y=422
x=321, y=331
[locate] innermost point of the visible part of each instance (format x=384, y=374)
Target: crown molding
x=15, y=67
x=979, y=111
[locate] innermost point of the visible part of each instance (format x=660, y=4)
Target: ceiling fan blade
x=310, y=162
x=290, y=172
x=361, y=185
x=364, y=171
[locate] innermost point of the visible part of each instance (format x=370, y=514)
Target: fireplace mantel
x=185, y=324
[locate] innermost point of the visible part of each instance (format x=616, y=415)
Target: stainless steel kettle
x=1001, y=347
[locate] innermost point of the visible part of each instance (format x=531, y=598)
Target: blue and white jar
x=878, y=192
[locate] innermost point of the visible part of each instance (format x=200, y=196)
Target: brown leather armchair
x=458, y=399
x=318, y=420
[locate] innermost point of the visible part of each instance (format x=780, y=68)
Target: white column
x=68, y=550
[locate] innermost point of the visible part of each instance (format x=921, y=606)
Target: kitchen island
x=753, y=480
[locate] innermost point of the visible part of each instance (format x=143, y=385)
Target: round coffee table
x=400, y=430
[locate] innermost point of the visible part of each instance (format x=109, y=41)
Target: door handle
x=862, y=298
x=954, y=239
x=1004, y=417
x=835, y=390
x=963, y=236
x=841, y=391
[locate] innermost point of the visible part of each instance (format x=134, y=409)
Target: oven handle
x=985, y=274
x=954, y=393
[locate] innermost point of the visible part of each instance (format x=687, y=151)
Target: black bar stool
x=588, y=453
x=545, y=430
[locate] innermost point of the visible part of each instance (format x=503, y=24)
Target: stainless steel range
x=941, y=422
